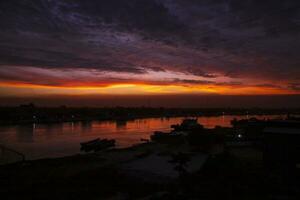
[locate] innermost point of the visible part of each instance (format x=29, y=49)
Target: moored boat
x=97, y=145
x=188, y=124
x=163, y=137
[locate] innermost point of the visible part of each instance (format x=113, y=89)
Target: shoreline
x=30, y=114
x=28, y=122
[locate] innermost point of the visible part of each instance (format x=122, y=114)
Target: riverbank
x=141, y=172
x=98, y=175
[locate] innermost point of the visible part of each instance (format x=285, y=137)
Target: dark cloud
x=66, y=77
x=234, y=38
x=191, y=81
x=268, y=86
x=205, y=82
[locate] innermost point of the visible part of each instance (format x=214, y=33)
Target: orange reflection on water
x=56, y=140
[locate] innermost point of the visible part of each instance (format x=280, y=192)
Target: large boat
x=187, y=125
x=177, y=135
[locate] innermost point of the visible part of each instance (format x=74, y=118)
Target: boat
x=187, y=125
x=179, y=132
x=90, y=142
x=97, y=145
x=163, y=137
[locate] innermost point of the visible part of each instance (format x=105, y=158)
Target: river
x=57, y=140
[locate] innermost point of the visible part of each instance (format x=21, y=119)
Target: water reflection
x=86, y=127
x=53, y=140
x=121, y=124
x=51, y=128
x=25, y=133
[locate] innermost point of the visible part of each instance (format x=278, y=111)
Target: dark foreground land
x=236, y=173
x=30, y=113
x=97, y=176
x=255, y=159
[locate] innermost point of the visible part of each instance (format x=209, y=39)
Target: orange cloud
x=25, y=89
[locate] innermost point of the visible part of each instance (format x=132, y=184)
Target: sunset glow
x=19, y=89
x=178, y=48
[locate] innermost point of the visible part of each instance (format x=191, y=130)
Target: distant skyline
x=94, y=49
x=167, y=101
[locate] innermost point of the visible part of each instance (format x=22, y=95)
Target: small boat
x=97, y=145
x=90, y=142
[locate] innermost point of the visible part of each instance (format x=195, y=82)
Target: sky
x=83, y=48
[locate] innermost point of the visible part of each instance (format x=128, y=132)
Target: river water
x=56, y=140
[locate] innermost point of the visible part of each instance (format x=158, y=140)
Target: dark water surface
x=56, y=140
